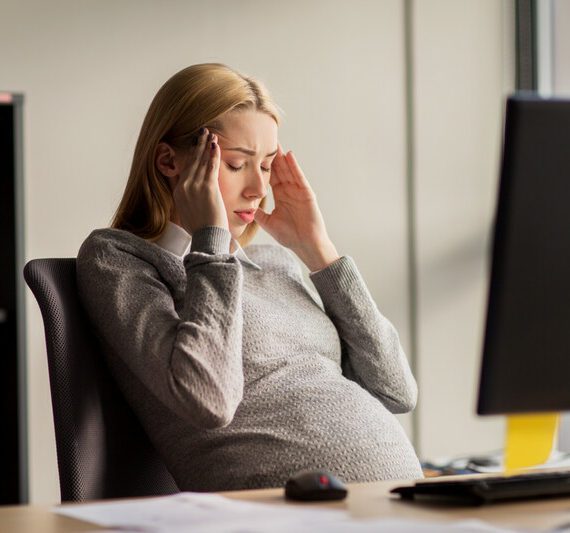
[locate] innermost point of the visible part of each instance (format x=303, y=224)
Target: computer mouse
x=315, y=485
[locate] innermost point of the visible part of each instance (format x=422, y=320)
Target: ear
x=166, y=161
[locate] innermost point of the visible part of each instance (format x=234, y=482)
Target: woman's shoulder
x=103, y=240
x=111, y=236
x=110, y=245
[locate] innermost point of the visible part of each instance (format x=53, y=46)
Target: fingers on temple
x=275, y=177
x=289, y=170
x=214, y=164
x=282, y=167
x=296, y=169
x=197, y=156
x=204, y=164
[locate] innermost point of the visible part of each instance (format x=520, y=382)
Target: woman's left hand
x=296, y=221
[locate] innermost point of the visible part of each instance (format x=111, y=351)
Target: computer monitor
x=526, y=352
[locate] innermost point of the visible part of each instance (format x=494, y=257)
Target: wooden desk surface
x=365, y=500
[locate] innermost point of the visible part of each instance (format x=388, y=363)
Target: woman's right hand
x=197, y=195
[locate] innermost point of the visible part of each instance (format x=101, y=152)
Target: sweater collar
x=177, y=241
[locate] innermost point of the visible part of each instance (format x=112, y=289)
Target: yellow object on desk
x=529, y=440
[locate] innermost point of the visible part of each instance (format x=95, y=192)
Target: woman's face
x=248, y=142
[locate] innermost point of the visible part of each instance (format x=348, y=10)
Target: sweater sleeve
x=372, y=354
x=192, y=360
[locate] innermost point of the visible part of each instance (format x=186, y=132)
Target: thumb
x=261, y=217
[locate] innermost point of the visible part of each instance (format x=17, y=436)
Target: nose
x=256, y=185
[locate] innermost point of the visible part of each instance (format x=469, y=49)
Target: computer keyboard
x=482, y=489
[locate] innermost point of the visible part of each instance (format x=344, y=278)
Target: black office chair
x=102, y=451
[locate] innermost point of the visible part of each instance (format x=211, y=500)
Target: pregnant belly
x=279, y=430
x=333, y=414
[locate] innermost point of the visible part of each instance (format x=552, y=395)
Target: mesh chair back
x=102, y=451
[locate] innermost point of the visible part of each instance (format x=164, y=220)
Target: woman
x=240, y=375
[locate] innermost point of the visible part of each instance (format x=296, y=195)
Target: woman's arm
x=372, y=354
x=191, y=361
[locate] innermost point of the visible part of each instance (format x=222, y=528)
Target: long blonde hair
x=193, y=98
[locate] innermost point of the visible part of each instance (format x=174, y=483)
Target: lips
x=247, y=215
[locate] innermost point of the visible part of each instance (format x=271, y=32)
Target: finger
x=278, y=162
x=261, y=217
x=296, y=170
x=282, y=167
x=274, y=175
x=214, y=163
x=203, y=166
x=198, y=153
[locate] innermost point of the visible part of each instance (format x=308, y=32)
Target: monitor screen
x=526, y=352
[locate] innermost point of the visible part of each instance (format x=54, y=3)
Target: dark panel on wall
x=12, y=447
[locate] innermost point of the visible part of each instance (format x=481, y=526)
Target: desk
x=365, y=500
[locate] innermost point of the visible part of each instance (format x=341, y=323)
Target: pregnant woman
x=239, y=372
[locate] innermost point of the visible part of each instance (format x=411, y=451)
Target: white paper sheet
x=211, y=513
x=198, y=512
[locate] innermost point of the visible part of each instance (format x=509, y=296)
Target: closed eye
x=237, y=169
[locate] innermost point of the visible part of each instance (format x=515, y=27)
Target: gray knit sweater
x=243, y=376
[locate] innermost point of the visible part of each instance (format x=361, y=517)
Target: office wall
x=89, y=69
x=561, y=47
x=463, y=65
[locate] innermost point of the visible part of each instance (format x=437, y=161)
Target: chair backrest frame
x=102, y=450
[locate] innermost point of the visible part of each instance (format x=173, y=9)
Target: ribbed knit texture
x=241, y=377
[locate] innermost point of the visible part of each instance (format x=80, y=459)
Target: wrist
x=319, y=256
x=211, y=240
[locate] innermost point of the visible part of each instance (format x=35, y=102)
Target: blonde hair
x=195, y=97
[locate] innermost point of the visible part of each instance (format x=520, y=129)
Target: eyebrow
x=248, y=152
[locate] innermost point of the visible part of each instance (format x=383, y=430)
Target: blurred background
x=394, y=109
